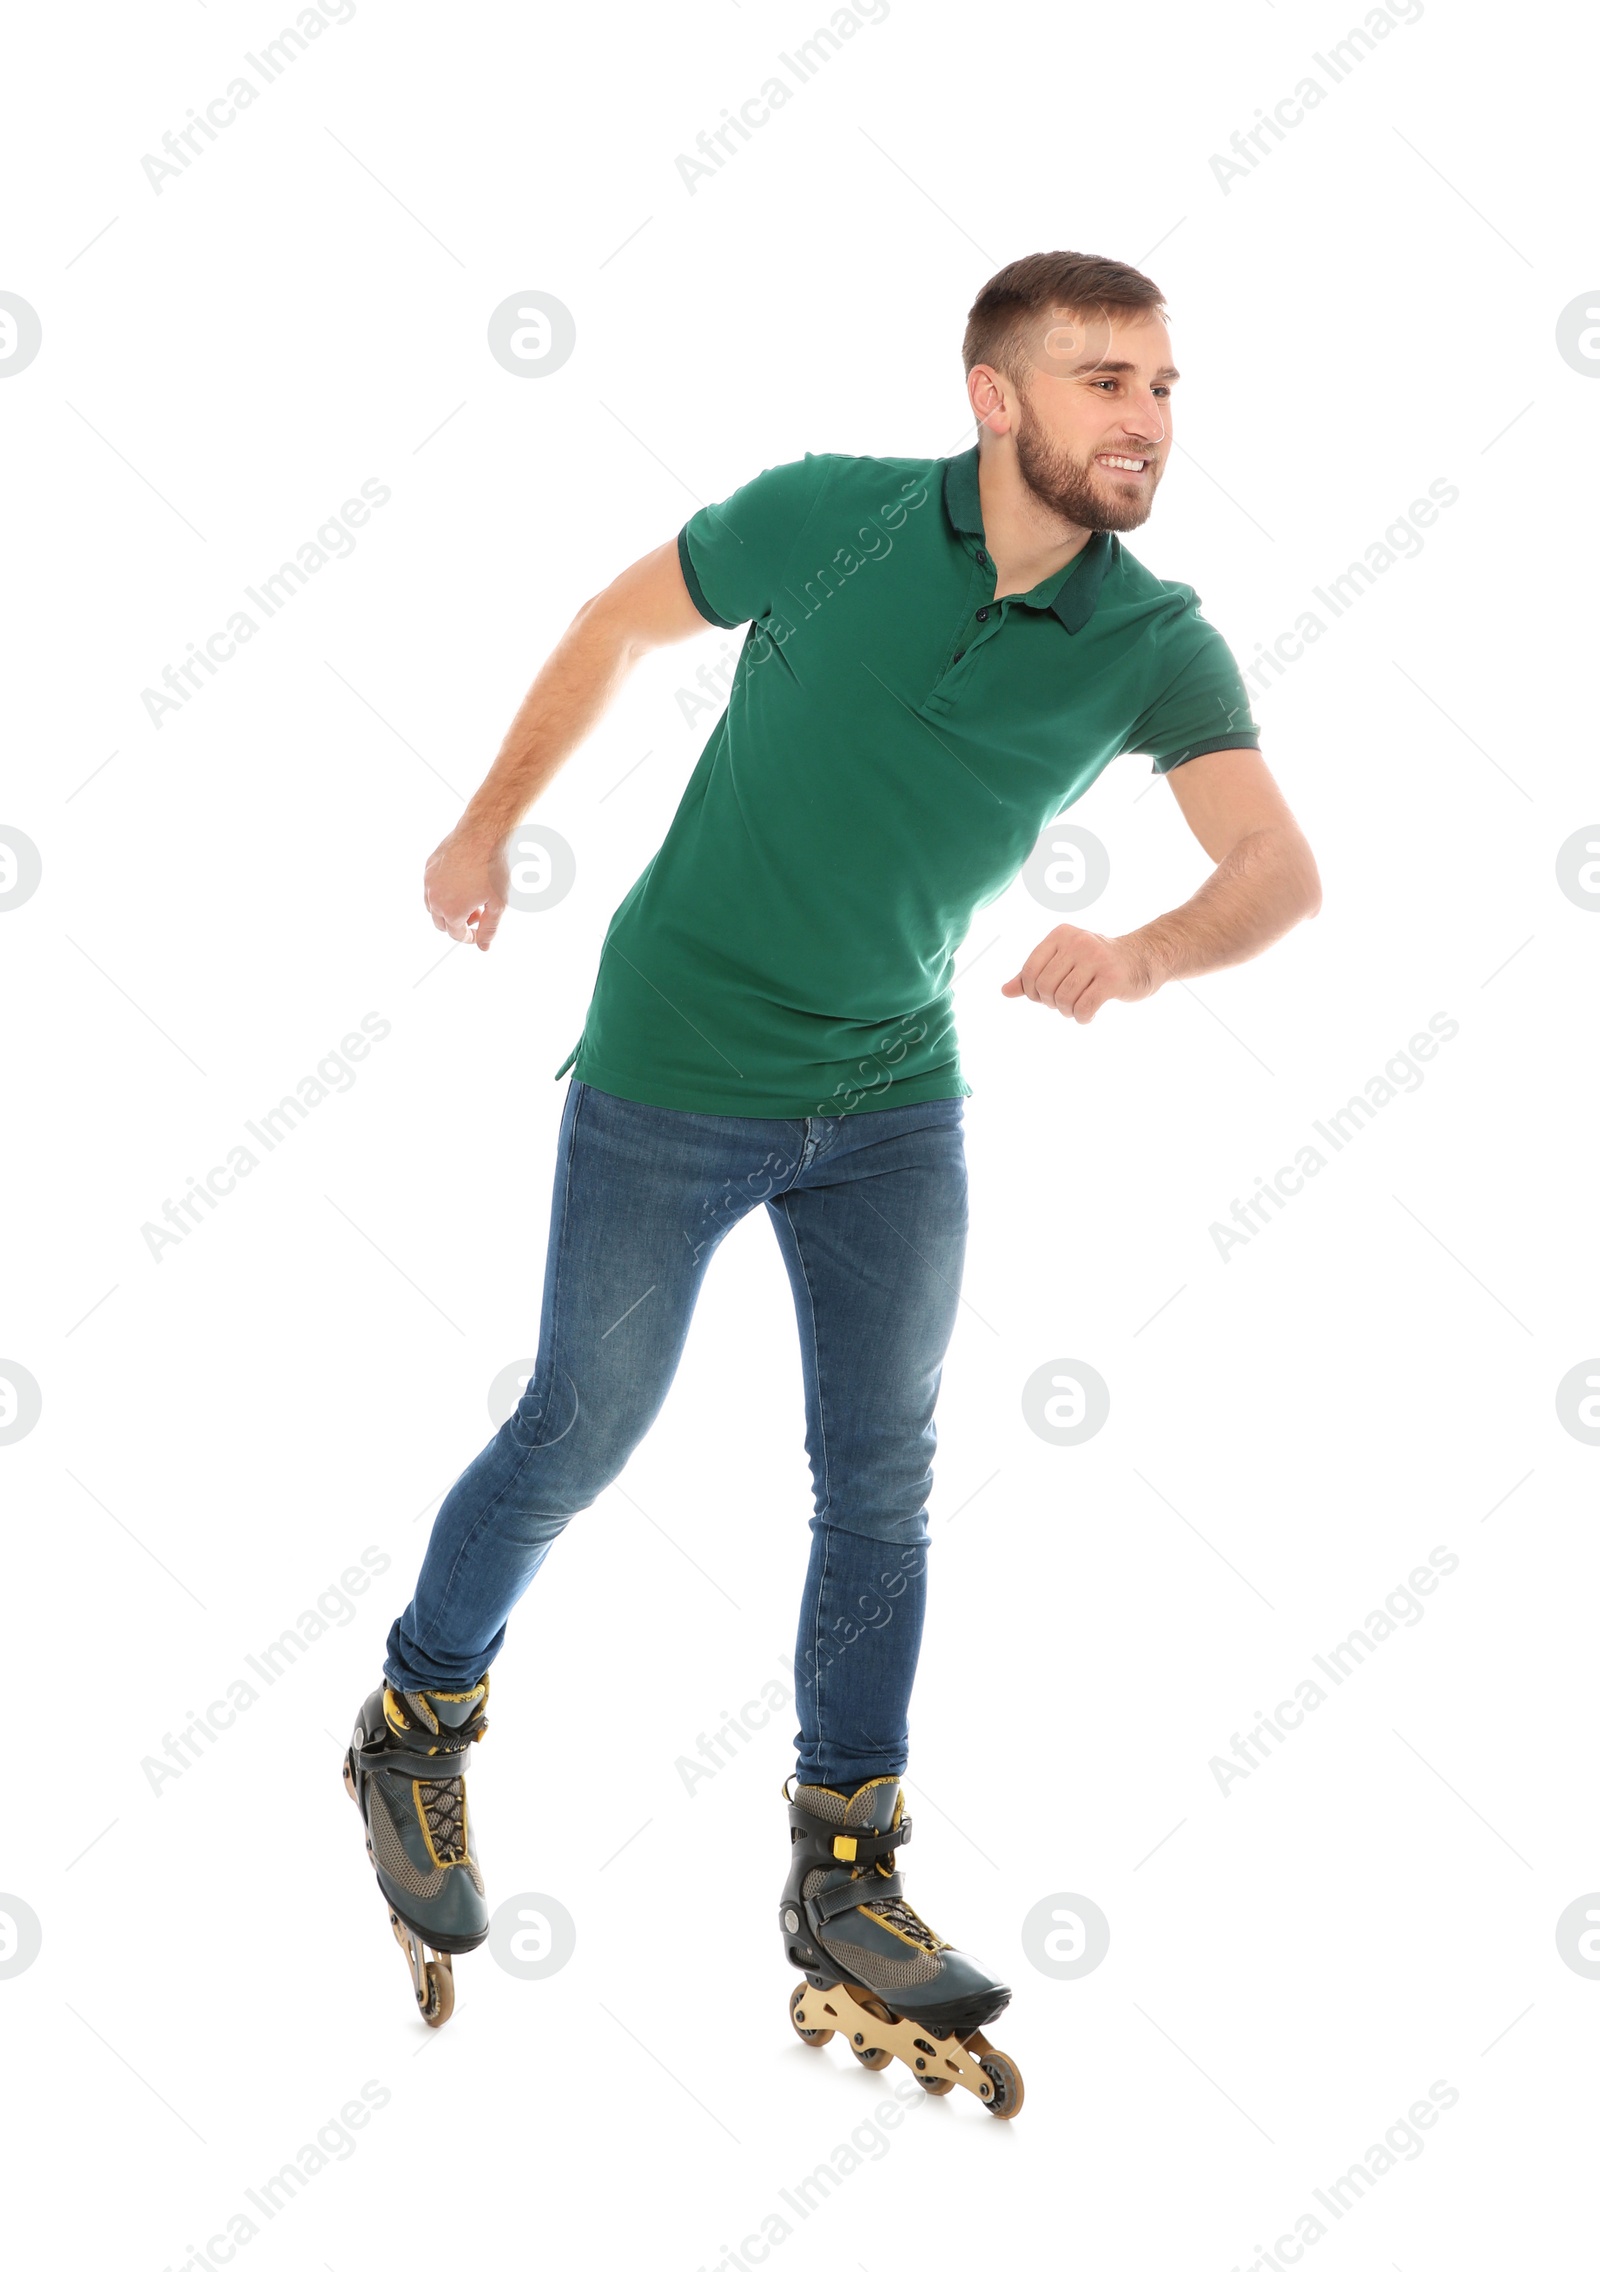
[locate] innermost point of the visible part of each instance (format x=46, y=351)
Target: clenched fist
x=464, y=887
x=1076, y=971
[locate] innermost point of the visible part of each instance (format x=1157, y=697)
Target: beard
x=1074, y=488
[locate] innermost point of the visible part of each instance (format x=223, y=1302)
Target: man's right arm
x=648, y=605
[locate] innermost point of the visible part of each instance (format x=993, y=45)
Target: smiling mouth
x=1124, y=465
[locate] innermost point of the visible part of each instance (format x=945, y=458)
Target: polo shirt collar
x=1075, y=599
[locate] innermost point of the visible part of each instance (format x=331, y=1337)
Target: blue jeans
x=870, y=1213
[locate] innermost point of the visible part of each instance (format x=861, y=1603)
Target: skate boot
x=403, y=1770
x=876, y=1973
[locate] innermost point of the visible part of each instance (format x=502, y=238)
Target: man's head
x=1069, y=366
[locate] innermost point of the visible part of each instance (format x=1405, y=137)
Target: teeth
x=1134, y=465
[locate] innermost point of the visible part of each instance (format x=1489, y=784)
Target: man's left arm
x=1264, y=882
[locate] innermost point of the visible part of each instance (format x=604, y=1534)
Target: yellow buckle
x=844, y=1849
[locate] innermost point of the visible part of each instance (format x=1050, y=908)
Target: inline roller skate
x=875, y=1973
x=403, y=1769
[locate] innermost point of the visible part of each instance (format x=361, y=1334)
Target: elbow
x=1310, y=887
x=604, y=620
x=1299, y=872
x=1282, y=861
x=593, y=608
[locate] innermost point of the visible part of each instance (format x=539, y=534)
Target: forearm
x=576, y=684
x=1261, y=888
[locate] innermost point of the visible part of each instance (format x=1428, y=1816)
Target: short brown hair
x=1078, y=282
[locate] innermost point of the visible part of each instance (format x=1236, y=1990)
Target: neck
x=1026, y=540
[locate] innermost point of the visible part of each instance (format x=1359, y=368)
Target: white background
x=1292, y=1430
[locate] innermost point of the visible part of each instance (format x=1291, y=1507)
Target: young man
x=942, y=655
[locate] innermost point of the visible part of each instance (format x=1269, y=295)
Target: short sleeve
x=1202, y=703
x=733, y=555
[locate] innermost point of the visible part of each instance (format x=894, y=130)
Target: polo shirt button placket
x=982, y=614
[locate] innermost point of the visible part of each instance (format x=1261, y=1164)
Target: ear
x=990, y=398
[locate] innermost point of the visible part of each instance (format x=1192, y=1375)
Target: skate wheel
x=441, y=1994
x=936, y=2085
x=815, y=2036
x=1006, y=2077
x=871, y=2056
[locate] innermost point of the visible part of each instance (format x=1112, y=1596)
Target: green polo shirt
x=895, y=742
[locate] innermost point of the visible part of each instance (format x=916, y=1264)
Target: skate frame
x=430, y=1994
x=868, y=2027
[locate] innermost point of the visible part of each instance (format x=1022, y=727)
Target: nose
x=1145, y=420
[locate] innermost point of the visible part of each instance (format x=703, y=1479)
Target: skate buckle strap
x=858, y=1847
x=830, y=1901
x=421, y=1766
